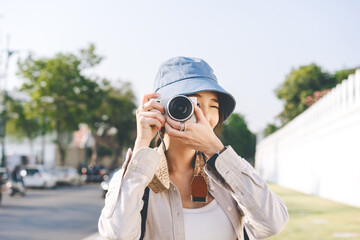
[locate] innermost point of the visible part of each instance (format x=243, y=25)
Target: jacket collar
x=161, y=179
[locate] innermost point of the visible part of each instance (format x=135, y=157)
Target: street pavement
x=62, y=213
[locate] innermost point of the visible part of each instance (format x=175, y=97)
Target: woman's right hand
x=148, y=122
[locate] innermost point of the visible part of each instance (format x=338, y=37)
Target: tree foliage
x=303, y=87
x=236, y=133
x=299, y=84
x=343, y=74
x=270, y=128
x=61, y=91
x=114, y=124
x=22, y=120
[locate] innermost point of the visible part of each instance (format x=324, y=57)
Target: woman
x=192, y=158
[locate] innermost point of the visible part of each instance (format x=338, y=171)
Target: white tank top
x=209, y=222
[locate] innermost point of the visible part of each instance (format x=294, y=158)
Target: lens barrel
x=180, y=108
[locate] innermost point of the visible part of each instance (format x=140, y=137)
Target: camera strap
x=163, y=143
x=198, y=187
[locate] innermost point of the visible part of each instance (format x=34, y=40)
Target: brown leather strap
x=198, y=189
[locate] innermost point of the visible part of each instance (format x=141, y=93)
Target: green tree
x=61, y=92
x=114, y=124
x=236, y=133
x=343, y=74
x=270, y=128
x=299, y=84
x=22, y=121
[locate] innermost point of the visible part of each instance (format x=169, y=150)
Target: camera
x=180, y=107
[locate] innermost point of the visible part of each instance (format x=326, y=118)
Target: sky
x=251, y=45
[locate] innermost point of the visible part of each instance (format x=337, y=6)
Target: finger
x=152, y=104
x=174, y=132
x=157, y=124
x=198, y=113
x=156, y=115
x=174, y=124
x=149, y=96
x=154, y=123
x=144, y=121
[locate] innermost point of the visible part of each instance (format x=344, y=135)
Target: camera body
x=180, y=107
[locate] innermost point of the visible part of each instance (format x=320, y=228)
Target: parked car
x=67, y=176
x=97, y=173
x=39, y=176
x=105, y=184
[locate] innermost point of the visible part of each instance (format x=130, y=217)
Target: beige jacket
x=241, y=193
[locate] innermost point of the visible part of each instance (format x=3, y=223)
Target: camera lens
x=180, y=108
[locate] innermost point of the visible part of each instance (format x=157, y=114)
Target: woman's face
x=209, y=105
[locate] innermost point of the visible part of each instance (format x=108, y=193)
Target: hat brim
x=195, y=85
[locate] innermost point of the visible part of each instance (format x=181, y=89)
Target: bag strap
x=246, y=237
x=143, y=212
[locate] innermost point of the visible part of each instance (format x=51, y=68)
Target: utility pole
x=4, y=96
x=3, y=109
x=3, y=125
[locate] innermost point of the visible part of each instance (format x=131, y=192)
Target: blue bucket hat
x=184, y=75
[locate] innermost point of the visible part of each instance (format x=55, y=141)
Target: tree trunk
x=42, y=154
x=59, y=143
x=31, y=144
x=94, y=156
x=62, y=152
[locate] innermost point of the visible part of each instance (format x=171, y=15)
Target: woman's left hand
x=199, y=136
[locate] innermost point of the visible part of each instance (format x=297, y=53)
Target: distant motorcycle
x=16, y=183
x=15, y=187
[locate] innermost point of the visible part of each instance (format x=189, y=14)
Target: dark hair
x=222, y=116
x=217, y=128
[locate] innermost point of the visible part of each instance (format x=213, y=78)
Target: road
x=61, y=213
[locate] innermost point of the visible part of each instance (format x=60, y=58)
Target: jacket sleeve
x=265, y=213
x=120, y=217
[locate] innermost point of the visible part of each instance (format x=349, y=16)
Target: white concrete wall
x=319, y=151
x=21, y=147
